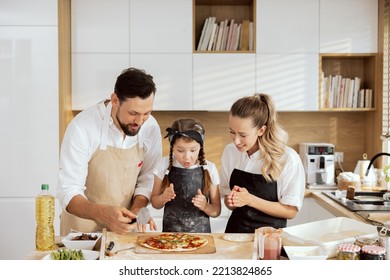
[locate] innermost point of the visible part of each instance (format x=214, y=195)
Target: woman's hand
x=238, y=197
x=199, y=200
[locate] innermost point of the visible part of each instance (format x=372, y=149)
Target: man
x=107, y=158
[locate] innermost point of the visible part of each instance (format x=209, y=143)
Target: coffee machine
x=318, y=161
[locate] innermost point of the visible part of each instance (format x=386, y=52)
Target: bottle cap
x=44, y=186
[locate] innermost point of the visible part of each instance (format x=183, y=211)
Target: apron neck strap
x=105, y=127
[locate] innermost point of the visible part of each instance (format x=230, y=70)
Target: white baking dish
x=327, y=233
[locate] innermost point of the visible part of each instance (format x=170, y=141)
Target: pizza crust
x=185, y=238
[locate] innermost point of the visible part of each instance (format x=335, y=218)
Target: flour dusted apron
x=180, y=215
x=111, y=180
x=246, y=219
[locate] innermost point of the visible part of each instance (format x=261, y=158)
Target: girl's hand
x=169, y=194
x=199, y=201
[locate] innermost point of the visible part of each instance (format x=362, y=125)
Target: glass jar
x=373, y=252
x=347, y=251
x=362, y=241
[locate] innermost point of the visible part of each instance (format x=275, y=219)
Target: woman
x=262, y=179
x=186, y=184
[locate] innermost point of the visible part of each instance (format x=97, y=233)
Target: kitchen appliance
x=318, y=162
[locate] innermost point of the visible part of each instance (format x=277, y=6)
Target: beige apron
x=111, y=180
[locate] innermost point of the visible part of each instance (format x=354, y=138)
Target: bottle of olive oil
x=44, y=214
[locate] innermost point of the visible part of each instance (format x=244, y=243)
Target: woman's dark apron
x=180, y=215
x=247, y=219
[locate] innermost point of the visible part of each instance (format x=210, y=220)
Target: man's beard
x=125, y=128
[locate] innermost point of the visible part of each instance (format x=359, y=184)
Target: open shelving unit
x=349, y=66
x=239, y=10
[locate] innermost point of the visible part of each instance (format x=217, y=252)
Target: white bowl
x=80, y=244
x=305, y=253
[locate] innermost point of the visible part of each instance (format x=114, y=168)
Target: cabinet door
x=172, y=74
x=160, y=26
x=28, y=109
x=311, y=211
x=286, y=26
x=348, y=26
x=100, y=26
x=22, y=12
x=94, y=76
x=220, y=79
x=291, y=79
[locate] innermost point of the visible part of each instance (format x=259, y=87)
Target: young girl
x=186, y=184
x=262, y=179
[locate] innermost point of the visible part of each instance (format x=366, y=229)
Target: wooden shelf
x=239, y=10
x=350, y=66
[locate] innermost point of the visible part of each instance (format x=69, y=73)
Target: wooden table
x=223, y=249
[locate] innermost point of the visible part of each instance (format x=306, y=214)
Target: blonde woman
x=186, y=184
x=262, y=179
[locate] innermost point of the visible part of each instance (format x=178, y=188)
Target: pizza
x=175, y=242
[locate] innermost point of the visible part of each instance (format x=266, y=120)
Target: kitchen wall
x=345, y=130
x=29, y=113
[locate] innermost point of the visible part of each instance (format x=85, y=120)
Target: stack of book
x=341, y=92
x=227, y=35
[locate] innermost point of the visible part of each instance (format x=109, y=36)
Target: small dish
x=238, y=237
x=80, y=244
x=305, y=253
x=88, y=255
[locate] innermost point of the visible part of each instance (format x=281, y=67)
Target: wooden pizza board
x=208, y=249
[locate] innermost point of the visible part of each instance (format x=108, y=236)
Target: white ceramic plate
x=88, y=255
x=305, y=253
x=238, y=237
x=80, y=244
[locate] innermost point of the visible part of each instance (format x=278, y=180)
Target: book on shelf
x=224, y=35
x=229, y=36
x=212, y=36
x=206, y=39
x=202, y=35
x=251, y=29
x=219, y=37
x=244, y=41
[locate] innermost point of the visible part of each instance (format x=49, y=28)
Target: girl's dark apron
x=247, y=219
x=180, y=215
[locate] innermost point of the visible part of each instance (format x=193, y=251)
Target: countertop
x=336, y=209
x=223, y=249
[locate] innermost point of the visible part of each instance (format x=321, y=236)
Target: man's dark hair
x=133, y=82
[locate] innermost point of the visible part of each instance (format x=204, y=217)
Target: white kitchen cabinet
x=22, y=12
x=287, y=26
x=100, y=26
x=28, y=109
x=160, y=26
x=172, y=74
x=220, y=79
x=348, y=26
x=311, y=211
x=291, y=79
x=94, y=77
x=18, y=234
x=29, y=117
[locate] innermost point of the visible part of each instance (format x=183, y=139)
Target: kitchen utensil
x=270, y=243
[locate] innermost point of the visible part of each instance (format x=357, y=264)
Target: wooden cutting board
x=208, y=249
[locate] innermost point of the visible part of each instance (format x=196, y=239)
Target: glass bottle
x=44, y=215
